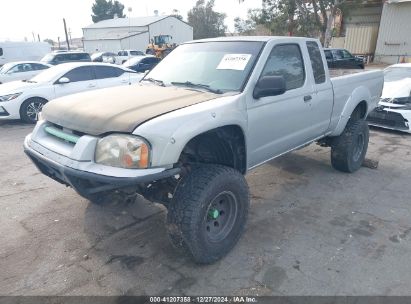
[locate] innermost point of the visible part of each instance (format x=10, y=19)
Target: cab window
x=80, y=74
x=36, y=66
x=347, y=54
x=103, y=72
x=20, y=68
x=286, y=60
x=316, y=62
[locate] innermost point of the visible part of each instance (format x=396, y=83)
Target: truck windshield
x=220, y=66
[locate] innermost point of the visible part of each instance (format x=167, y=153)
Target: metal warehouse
x=394, y=37
x=133, y=33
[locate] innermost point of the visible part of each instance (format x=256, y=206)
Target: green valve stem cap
x=213, y=213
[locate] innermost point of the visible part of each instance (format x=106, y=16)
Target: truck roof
x=253, y=38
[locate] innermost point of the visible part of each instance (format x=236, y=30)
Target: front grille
x=386, y=118
x=71, y=138
x=62, y=134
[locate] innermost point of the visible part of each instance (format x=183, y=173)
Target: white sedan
x=25, y=99
x=394, y=109
x=21, y=70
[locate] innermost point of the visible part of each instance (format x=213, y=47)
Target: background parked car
x=124, y=55
x=21, y=70
x=63, y=57
x=98, y=57
x=25, y=99
x=141, y=63
x=394, y=109
x=342, y=59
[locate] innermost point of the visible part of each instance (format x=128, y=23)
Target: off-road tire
x=188, y=220
x=25, y=107
x=348, y=150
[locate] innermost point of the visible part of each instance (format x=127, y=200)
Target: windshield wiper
x=197, y=85
x=29, y=81
x=155, y=81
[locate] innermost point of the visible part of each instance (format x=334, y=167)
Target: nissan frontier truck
x=186, y=135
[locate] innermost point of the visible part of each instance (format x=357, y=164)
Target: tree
x=254, y=24
x=312, y=18
x=106, y=9
x=176, y=13
x=205, y=21
x=49, y=41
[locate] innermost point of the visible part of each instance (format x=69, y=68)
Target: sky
x=44, y=17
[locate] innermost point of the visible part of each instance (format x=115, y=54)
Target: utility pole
x=71, y=39
x=38, y=36
x=65, y=31
x=58, y=39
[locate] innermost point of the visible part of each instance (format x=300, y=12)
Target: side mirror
x=63, y=80
x=269, y=86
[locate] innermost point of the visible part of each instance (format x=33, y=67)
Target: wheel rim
x=221, y=216
x=359, y=147
x=34, y=109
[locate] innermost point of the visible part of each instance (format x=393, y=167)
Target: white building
x=394, y=37
x=133, y=33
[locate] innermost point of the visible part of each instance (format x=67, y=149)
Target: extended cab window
x=80, y=74
x=1, y=52
x=286, y=60
x=103, y=72
x=316, y=62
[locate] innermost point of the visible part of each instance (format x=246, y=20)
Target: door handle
x=307, y=98
x=91, y=86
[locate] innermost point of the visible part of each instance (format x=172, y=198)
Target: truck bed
x=349, y=83
x=341, y=72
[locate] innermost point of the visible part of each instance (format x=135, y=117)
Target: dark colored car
x=342, y=59
x=98, y=57
x=141, y=64
x=63, y=57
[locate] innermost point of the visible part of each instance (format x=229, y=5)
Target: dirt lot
x=312, y=231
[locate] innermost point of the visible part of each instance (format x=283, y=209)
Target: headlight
x=9, y=97
x=123, y=151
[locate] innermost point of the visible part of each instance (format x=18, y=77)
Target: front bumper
x=10, y=109
x=88, y=183
x=399, y=120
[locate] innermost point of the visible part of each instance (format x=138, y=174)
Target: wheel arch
x=356, y=106
x=223, y=145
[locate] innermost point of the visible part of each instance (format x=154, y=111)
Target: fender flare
x=359, y=95
x=168, y=144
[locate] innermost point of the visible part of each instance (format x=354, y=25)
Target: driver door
x=279, y=123
x=81, y=79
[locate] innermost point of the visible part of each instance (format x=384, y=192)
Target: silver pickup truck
x=197, y=123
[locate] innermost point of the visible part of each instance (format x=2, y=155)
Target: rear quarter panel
x=349, y=91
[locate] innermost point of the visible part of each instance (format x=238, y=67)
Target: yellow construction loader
x=160, y=46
